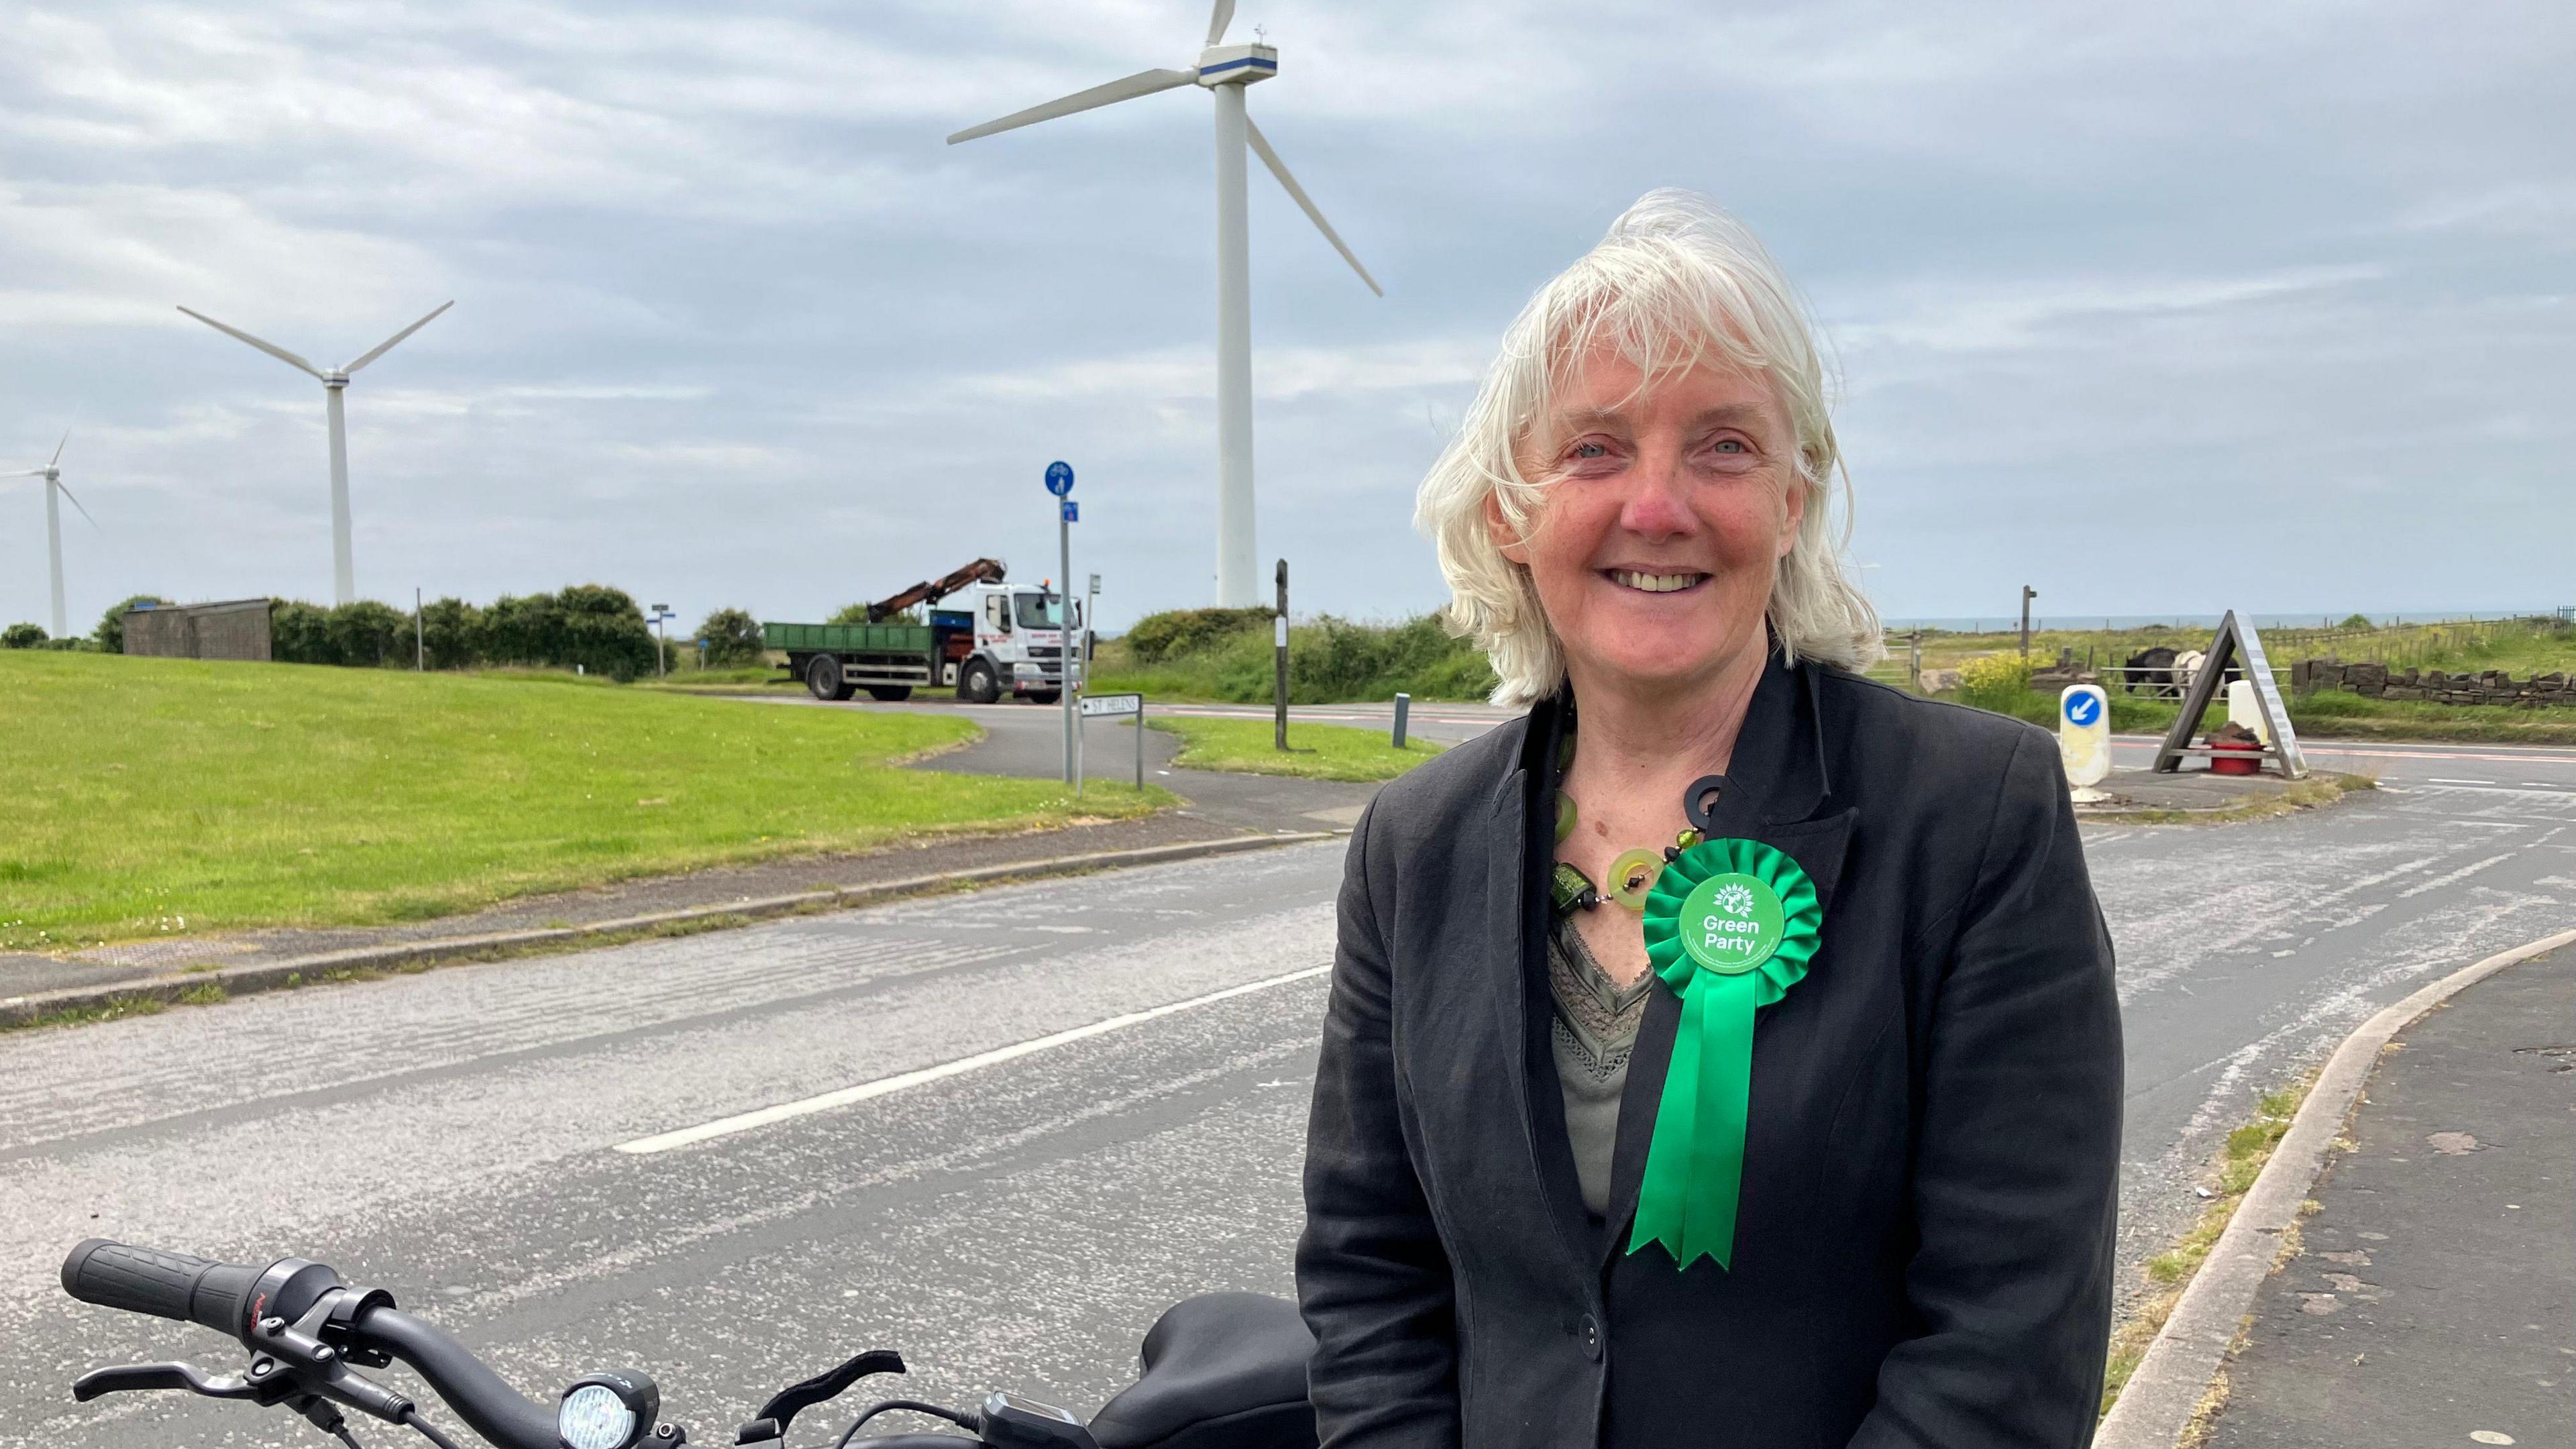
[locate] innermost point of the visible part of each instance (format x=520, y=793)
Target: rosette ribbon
x=1730, y=927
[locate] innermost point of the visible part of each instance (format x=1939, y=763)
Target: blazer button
x=1591, y=1331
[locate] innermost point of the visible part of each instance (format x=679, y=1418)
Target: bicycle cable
x=427, y=1430
x=962, y=1421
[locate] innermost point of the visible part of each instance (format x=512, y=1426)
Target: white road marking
x=903, y=1081
x=2439, y=780
x=2463, y=873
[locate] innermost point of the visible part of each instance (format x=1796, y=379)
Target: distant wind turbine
x=52, y=473
x=344, y=587
x=1224, y=70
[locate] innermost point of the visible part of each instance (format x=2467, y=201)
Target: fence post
x=1403, y=706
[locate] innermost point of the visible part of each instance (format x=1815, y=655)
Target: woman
x=1799, y=1128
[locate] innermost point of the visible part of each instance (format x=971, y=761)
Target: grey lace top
x=1595, y=1030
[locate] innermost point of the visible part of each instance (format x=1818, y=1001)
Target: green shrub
x=2359, y=623
x=110, y=632
x=300, y=633
x=1330, y=660
x=367, y=635
x=604, y=632
x=521, y=629
x=451, y=633
x=732, y=638
x=1158, y=637
x=22, y=636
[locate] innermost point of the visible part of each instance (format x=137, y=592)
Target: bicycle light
x=607, y=1411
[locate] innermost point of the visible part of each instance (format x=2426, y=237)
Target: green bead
x=1570, y=888
x=1564, y=816
x=1632, y=877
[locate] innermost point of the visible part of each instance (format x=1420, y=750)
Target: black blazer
x=1924, y=1242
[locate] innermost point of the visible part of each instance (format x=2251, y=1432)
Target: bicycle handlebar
x=165, y=1285
x=221, y=1296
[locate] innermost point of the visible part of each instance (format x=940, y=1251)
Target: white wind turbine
x=52, y=473
x=1224, y=70
x=344, y=587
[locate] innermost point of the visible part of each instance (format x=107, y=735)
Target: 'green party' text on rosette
x=1730, y=926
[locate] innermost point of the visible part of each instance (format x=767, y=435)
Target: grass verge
x=149, y=797
x=2307, y=794
x=2170, y=1272
x=1317, y=752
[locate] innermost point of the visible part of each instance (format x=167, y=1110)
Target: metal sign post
x=1059, y=481
x=1280, y=645
x=1111, y=705
x=1403, y=707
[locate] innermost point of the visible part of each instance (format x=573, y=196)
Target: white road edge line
x=904, y=1081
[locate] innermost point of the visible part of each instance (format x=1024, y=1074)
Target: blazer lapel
x=1775, y=781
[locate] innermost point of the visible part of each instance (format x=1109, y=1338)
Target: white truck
x=1007, y=639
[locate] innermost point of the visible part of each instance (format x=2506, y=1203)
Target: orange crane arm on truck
x=981, y=571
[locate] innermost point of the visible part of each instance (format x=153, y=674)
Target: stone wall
x=2378, y=681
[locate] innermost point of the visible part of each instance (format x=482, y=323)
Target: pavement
x=2433, y=1296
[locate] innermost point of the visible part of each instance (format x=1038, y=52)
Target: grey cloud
x=2169, y=308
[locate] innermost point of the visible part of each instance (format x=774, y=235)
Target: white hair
x=1676, y=284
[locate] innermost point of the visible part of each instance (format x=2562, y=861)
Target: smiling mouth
x=1646, y=583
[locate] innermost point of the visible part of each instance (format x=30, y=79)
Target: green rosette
x=1730, y=927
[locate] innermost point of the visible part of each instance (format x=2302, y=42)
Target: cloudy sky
x=2160, y=308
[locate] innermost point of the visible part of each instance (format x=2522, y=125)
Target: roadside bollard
x=1403, y=706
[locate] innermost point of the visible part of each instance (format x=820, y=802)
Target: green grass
x=149, y=797
x=1317, y=752
x=2169, y=1272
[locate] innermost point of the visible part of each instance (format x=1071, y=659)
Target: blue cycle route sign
x=2082, y=709
x=1059, y=478
x=1072, y=511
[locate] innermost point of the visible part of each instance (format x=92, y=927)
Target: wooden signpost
x=2235, y=641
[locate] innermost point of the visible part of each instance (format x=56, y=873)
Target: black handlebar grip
x=165, y=1285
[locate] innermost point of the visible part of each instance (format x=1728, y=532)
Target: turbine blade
x=1219, y=19
x=1279, y=168
x=271, y=348
x=30, y=473
x=1142, y=83
x=387, y=345
x=76, y=503
x=58, y=448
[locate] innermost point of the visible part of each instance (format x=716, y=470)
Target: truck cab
x=1016, y=642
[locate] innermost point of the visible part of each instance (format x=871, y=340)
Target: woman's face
x=1665, y=515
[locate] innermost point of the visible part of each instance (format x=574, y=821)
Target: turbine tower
x=1224, y=70
x=52, y=473
x=344, y=587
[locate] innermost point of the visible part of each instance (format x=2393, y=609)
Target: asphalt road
x=455, y=1136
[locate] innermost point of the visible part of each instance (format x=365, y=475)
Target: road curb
x=326, y=965
x=2184, y=1359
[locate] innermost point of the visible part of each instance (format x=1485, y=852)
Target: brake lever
x=161, y=1376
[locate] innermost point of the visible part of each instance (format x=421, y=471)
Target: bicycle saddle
x=1221, y=1371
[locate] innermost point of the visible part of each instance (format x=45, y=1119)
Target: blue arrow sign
x=1059, y=478
x=2083, y=709
x=1072, y=511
